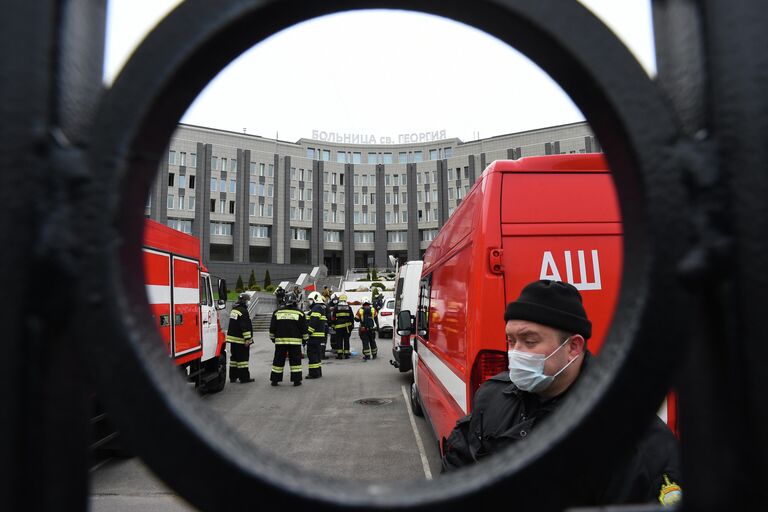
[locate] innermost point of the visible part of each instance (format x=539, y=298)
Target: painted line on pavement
x=424, y=462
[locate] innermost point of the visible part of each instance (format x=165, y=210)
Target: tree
x=374, y=275
x=267, y=279
x=239, y=285
x=251, y=280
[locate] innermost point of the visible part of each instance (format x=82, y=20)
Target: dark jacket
x=317, y=322
x=288, y=326
x=342, y=321
x=240, y=329
x=503, y=414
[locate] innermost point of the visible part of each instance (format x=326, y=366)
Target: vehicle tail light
x=487, y=364
x=405, y=341
x=386, y=313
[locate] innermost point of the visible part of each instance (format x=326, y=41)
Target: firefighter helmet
x=244, y=297
x=316, y=297
x=343, y=297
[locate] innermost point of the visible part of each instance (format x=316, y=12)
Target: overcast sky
x=360, y=79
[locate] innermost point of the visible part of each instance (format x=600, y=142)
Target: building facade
x=254, y=200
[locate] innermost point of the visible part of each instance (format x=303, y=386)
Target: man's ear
x=577, y=344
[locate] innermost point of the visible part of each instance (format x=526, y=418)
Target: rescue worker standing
x=317, y=331
x=287, y=330
x=343, y=324
x=546, y=330
x=240, y=338
x=366, y=315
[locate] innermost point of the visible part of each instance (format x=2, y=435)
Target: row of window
x=301, y=213
x=182, y=182
x=182, y=204
x=301, y=175
x=180, y=158
x=373, y=157
x=259, y=231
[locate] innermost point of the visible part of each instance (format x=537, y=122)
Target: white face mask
x=526, y=370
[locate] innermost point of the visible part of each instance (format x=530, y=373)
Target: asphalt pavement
x=352, y=424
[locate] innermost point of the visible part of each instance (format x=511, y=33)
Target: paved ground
x=320, y=426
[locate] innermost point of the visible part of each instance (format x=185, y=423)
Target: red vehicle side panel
x=186, y=306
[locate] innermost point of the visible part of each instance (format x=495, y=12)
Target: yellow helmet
x=343, y=297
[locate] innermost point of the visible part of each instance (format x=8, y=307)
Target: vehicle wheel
x=217, y=384
x=415, y=403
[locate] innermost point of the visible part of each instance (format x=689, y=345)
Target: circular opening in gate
x=156, y=117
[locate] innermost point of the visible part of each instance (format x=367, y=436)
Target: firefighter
x=287, y=330
x=240, y=338
x=366, y=315
x=342, y=324
x=330, y=312
x=547, y=330
x=317, y=323
x=280, y=296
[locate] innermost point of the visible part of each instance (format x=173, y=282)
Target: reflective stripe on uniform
x=318, y=334
x=234, y=339
x=295, y=369
x=235, y=314
x=287, y=315
x=313, y=365
x=288, y=341
x=277, y=369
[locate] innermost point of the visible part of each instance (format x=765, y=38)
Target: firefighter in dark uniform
x=240, y=338
x=330, y=312
x=343, y=324
x=317, y=332
x=287, y=330
x=366, y=315
x=546, y=329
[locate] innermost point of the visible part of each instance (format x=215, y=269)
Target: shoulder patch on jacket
x=670, y=493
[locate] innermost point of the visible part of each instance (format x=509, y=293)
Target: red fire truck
x=551, y=217
x=181, y=297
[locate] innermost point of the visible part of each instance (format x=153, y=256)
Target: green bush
x=267, y=279
x=374, y=275
x=270, y=288
x=255, y=288
x=378, y=284
x=391, y=276
x=239, y=285
x=251, y=281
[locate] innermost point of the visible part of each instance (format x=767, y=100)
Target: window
x=294, y=212
x=364, y=219
x=387, y=158
x=326, y=196
x=404, y=197
x=386, y=180
x=308, y=214
x=332, y=236
x=171, y=157
x=182, y=182
x=191, y=202
x=372, y=217
x=326, y=155
x=458, y=173
x=232, y=186
x=214, y=162
x=356, y=181
x=185, y=226
x=252, y=189
x=402, y=157
x=433, y=154
x=251, y=209
x=271, y=171
x=193, y=159
x=419, y=196
x=269, y=210
x=299, y=234
x=170, y=179
x=418, y=156
x=293, y=173
x=213, y=206
x=308, y=195
x=434, y=215
x=404, y=179
x=341, y=197
x=356, y=217
x=364, y=180
x=373, y=198
x=356, y=197
x=252, y=168
x=222, y=206
x=293, y=192
x=170, y=202
x=341, y=178
x=326, y=178
x=231, y=207
x=371, y=158
x=422, y=310
x=450, y=174
x=192, y=182
x=357, y=157
x=397, y=236
x=434, y=176
x=181, y=202
x=260, y=190
x=233, y=164
x=333, y=178
x=459, y=192
x=270, y=190
x=259, y=231
x=309, y=175
x=404, y=215
x=420, y=215
x=221, y=228
x=364, y=237
x=311, y=153
x=450, y=194
x=261, y=169
x=341, y=157
x=450, y=211
x=427, y=235
x=448, y=152
x=434, y=196
x=222, y=185
x=387, y=217
x=183, y=159
x=426, y=177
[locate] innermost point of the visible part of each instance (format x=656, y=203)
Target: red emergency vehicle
x=549, y=217
x=181, y=297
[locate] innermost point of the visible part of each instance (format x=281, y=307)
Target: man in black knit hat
x=547, y=331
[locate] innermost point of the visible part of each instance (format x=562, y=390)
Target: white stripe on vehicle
x=158, y=294
x=450, y=381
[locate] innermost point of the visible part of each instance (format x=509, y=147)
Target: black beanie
x=552, y=303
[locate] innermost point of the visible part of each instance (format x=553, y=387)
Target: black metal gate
x=688, y=154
